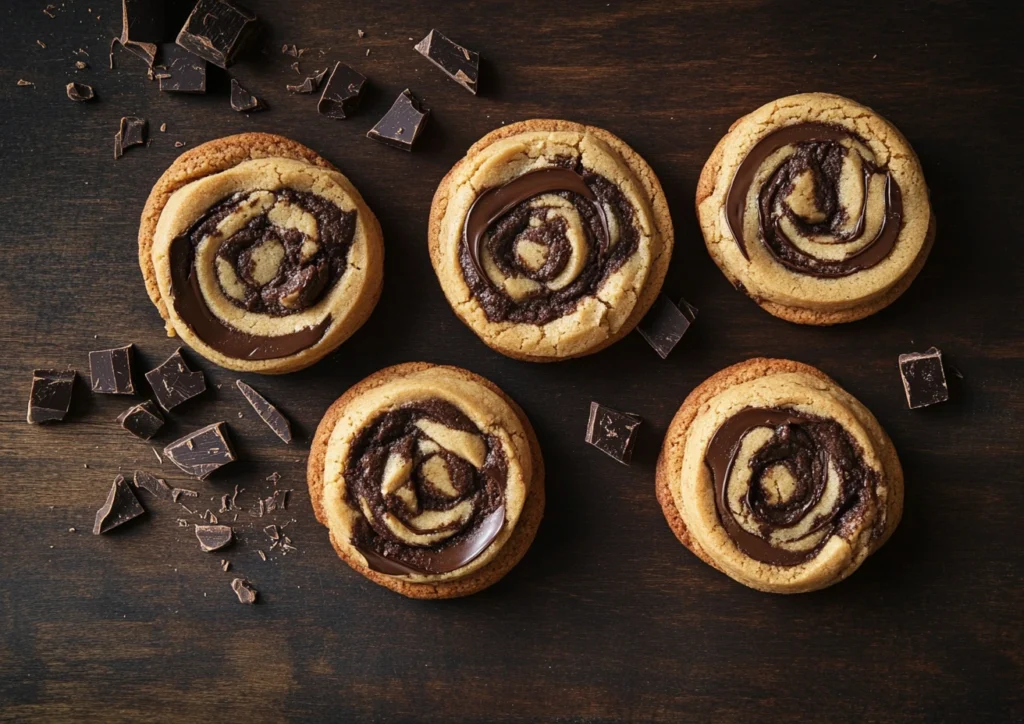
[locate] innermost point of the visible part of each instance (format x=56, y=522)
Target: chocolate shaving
x=111, y=371
x=276, y=421
x=132, y=132
x=158, y=487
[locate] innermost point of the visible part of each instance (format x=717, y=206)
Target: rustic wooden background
x=608, y=617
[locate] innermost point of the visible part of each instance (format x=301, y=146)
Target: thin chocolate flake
x=341, y=93
x=613, y=432
x=120, y=507
x=157, y=453
x=242, y=100
x=159, y=487
x=25, y=83
x=272, y=532
x=132, y=132
x=174, y=383
x=924, y=378
x=310, y=84
x=245, y=592
x=402, y=124
x=80, y=92
x=48, y=11
x=216, y=30
x=111, y=371
x=225, y=565
x=41, y=44
x=210, y=517
x=361, y=33
x=276, y=421
x=50, y=398
x=201, y=452
x=143, y=420
x=81, y=64
x=213, y=537
x=458, y=63
x=234, y=497
x=291, y=50
x=666, y=323
x=225, y=504
x=262, y=555
x=274, y=478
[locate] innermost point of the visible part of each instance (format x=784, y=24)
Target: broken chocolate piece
x=402, y=124
x=111, y=371
x=143, y=420
x=272, y=532
x=50, y=398
x=147, y=23
x=132, y=132
x=201, y=452
x=120, y=507
x=310, y=84
x=80, y=92
x=666, y=323
x=158, y=487
x=225, y=565
x=267, y=412
x=612, y=432
x=242, y=100
x=341, y=94
x=924, y=379
x=245, y=592
x=277, y=501
x=216, y=31
x=213, y=537
x=458, y=63
x=180, y=71
x=173, y=382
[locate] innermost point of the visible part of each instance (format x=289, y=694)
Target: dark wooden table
x=608, y=617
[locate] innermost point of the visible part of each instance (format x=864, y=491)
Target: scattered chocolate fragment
x=143, y=420
x=277, y=501
x=262, y=555
x=48, y=11
x=216, y=31
x=267, y=412
x=310, y=84
x=341, y=94
x=225, y=565
x=201, y=452
x=132, y=132
x=291, y=50
x=242, y=100
x=225, y=504
x=458, y=63
x=666, y=323
x=182, y=72
x=213, y=537
x=163, y=128
x=179, y=144
x=111, y=371
x=81, y=64
x=402, y=124
x=245, y=592
x=272, y=532
x=147, y=23
x=50, y=398
x=25, y=83
x=361, y=33
x=174, y=383
x=120, y=507
x=924, y=379
x=612, y=432
x=158, y=487
x=80, y=92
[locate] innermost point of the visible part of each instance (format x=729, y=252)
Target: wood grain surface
x=608, y=617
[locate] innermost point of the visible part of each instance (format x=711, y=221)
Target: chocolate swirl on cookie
x=430, y=486
x=824, y=207
x=532, y=248
x=786, y=482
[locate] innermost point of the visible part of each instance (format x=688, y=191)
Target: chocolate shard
x=80, y=92
x=143, y=420
x=613, y=432
x=174, y=383
x=267, y=412
x=131, y=132
x=402, y=124
x=201, y=452
x=158, y=487
x=924, y=378
x=245, y=592
x=147, y=23
x=50, y=398
x=120, y=507
x=111, y=371
x=216, y=30
x=666, y=323
x=277, y=501
x=180, y=71
x=458, y=63
x=213, y=537
x=342, y=93
x=242, y=100
x=310, y=84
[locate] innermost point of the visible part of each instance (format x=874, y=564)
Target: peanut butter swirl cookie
x=259, y=254
x=550, y=239
x=429, y=479
x=776, y=476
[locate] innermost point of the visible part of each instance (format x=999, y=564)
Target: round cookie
x=816, y=207
x=551, y=239
x=259, y=253
x=429, y=479
x=776, y=476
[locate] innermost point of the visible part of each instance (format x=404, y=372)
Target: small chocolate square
x=613, y=432
x=143, y=420
x=924, y=379
x=120, y=507
x=666, y=323
x=174, y=383
x=180, y=71
x=201, y=452
x=50, y=398
x=216, y=31
x=458, y=63
x=402, y=124
x=342, y=92
x=111, y=371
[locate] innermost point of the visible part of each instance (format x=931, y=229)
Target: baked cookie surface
x=429, y=479
x=259, y=254
x=779, y=478
x=817, y=208
x=550, y=239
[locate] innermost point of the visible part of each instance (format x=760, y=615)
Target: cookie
x=550, y=239
x=429, y=479
x=260, y=254
x=817, y=208
x=779, y=478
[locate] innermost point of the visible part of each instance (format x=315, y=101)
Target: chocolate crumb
x=272, y=532
x=245, y=592
x=41, y=43
x=80, y=92
x=81, y=64
x=225, y=565
x=213, y=537
x=22, y=82
x=360, y=33
x=262, y=555
x=163, y=128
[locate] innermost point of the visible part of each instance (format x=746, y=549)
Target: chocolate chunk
x=158, y=487
x=402, y=125
x=458, y=63
x=267, y=412
x=50, y=398
x=924, y=379
x=120, y=507
x=310, y=84
x=180, y=71
x=143, y=420
x=80, y=92
x=111, y=371
x=213, y=537
x=173, y=382
x=245, y=592
x=147, y=23
x=216, y=31
x=242, y=100
x=201, y=452
x=613, y=432
x=341, y=94
x=132, y=132
x=666, y=323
